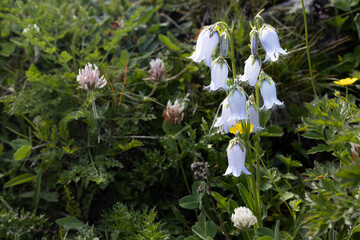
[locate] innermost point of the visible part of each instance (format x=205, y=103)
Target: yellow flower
x=346, y=81
x=239, y=128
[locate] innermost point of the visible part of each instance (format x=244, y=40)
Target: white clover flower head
x=224, y=121
x=270, y=41
x=33, y=27
x=219, y=74
x=254, y=118
x=173, y=113
x=243, y=218
x=157, y=70
x=236, y=159
x=205, y=45
x=237, y=103
x=268, y=93
x=252, y=70
x=88, y=78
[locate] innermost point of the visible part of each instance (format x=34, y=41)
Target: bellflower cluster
x=239, y=107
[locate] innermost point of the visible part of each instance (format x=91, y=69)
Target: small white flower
x=268, y=93
x=157, y=70
x=243, y=218
x=224, y=121
x=252, y=70
x=33, y=27
x=236, y=158
x=254, y=118
x=237, y=103
x=205, y=45
x=89, y=79
x=270, y=41
x=219, y=74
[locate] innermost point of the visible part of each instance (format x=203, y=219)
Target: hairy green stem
x=257, y=149
x=307, y=50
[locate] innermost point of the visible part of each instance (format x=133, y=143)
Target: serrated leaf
x=23, y=178
x=319, y=148
x=70, y=223
x=22, y=152
x=65, y=57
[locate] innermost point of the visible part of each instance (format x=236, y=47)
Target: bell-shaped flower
x=268, y=93
x=236, y=159
x=254, y=118
x=252, y=70
x=224, y=121
x=205, y=45
x=237, y=104
x=219, y=74
x=270, y=41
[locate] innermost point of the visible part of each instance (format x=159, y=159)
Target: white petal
x=268, y=92
x=237, y=103
x=251, y=72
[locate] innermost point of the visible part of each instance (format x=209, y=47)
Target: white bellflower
x=254, y=118
x=224, y=121
x=205, y=45
x=219, y=74
x=252, y=70
x=268, y=93
x=237, y=104
x=270, y=41
x=236, y=158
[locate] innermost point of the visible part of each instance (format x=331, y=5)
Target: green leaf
x=266, y=238
x=355, y=230
x=18, y=143
x=189, y=202
x=124, y=57
x=65, y=57
x=246, y=196
x=23, y=178
x=272, y=131
x=263, y=231
x=319, y=148
x=70, y=223
x=199, y=232
x=1, y=149
x=168, y=43
x=22, y=152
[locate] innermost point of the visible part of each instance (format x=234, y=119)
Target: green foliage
x=23, y=225
x=122, y=222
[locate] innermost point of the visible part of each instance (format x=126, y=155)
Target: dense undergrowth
x=128, y=173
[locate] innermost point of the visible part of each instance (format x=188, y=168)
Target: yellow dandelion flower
x=346, y=81
x=239, y=128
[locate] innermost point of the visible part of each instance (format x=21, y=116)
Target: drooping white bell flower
x=252, y=70
x=268, y=93
x=254, y=118
x=205, y=45
x=237, y=104
x=236, y=159
x=219, y=74
x=224, y=121
x=270, y=41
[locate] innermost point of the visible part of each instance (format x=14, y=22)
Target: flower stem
x=346, y=91
x=93, y=105
x=257, y=149
x=307, y=50
x=232, y=57
x=181, y=166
